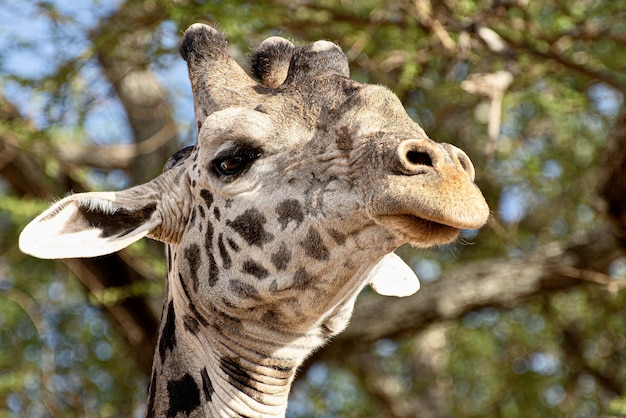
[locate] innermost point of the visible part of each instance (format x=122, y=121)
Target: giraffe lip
x=428, y=223
x=421, y=231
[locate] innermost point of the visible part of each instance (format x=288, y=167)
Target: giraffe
x=298, y=188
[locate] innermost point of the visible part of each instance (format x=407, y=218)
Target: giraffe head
x=303, y=170
x=297, y=187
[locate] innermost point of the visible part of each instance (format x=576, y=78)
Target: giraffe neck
x=202, y=366
x=229, y=347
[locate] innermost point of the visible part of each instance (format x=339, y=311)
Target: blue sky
x=33, y=46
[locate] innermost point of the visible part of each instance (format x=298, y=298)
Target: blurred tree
x=524, y=318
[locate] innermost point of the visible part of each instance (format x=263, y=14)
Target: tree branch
x=117, y=156
x=122, y=42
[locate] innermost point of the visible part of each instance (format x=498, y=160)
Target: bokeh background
x=524, y=318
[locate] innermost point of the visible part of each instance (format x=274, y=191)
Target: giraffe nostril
x=413, y=157
x=419, y=158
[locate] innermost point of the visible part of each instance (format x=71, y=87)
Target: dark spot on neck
x=271, y=318
x=208, y=237
x=207, y=386
x=289, y=210
x=213, y=271
x=194, y=259
x=243, y=290
x=226, y=260
x=302, y=279
x=191, y=324
x=250, y=226
x=314, y=246
x=255, y=269
x=190, y=303
x=339, y=237
x=167, y=338
x=232, y=244
x=208, y=247
x=282, y=257
x=208, y=197
x=184, y=396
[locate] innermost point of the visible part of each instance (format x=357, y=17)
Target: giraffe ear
x=391, y=276
x=90, y=224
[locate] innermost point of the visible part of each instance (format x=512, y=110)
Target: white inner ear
x=59, y=233
x=391, y=276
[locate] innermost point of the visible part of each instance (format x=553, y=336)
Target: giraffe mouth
x=420, y=232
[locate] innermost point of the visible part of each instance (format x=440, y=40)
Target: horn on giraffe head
x=270, y=61
x=317, y=59
x=217, y=81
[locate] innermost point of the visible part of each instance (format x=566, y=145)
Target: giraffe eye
x=230, y=165
x=235, y=161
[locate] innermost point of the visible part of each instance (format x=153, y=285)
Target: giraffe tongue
x=391, y=276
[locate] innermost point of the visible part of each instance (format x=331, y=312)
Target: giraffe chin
x=420, y=232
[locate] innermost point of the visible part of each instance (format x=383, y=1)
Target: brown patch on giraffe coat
x=289, y=210
x=198, y=318
x=250, y=226
x=243, y=289
x=281, y=258
x=302, y=279
x=314, y=246
x=167, y=339
x=208, y=197
x=255, y=269
x=208, y=246
x=272, y=319
x=194, y=260
x=184, y=396
x=207, y=386
x=217, y=213
x=273, y=286
x=208, y=236
x=232, y=244
x=213, y=271
x=226, y=260
x=339, y=237
x=191, y=324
